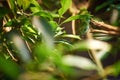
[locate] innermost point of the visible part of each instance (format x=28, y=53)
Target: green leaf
x=79, y=16
x=9, y=67
x=12, y=23
x=54, y=15
x=84, y=24
x=44, y=14
x=24, y=3
x=72, y=18
x=35, y=7
x=12, y=5
x=20, y=2
x=54, y=25
x=35, y=3
x=65, y=6
x=29, y=29
x=71, y=36
x=64, y=42
x=116, y=69
x=59, y=31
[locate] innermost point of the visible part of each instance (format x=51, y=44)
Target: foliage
x=34, y=45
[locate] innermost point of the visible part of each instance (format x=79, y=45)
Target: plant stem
x=105, y=26
x=98, y=63
x=73, y=25
x=11, y=55
x=94, y=57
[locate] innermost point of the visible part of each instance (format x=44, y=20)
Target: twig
x=13, y=58
x=105, y=26
x=11, y=55
x=105, y=32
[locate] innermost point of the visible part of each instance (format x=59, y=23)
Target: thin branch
x=9, y=52
x=105, y=26
x=105, y=32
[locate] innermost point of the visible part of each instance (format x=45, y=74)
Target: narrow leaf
x=44, y=14
x=24, y=3
x=71, y=36
x=72, y=18
x=65, y=6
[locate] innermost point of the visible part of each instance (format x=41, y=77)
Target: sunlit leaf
x=59, y=31
x=71, y=36
x=29, y=29
x=65, y=4
x=116, y=68
x=35, y=3
x=24, y=3
x=113, y=69
x=20, y=2
x=54, y=15
x=35, y=7
x=79, y=62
